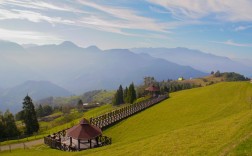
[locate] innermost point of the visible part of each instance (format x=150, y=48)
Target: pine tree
x=30, y=117
x=118, y=97
x=131, y=93
x=115, y=100
x=125, y=95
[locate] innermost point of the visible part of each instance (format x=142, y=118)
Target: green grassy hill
x=212, y=120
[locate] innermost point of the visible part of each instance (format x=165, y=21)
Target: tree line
x=230, y=76
x=127, y=95
x=8, y=127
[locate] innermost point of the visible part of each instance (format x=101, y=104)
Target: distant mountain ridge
x=80, y=69
x=197, y=59
x=12, y=98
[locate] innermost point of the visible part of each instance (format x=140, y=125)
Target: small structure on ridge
x=153, y=90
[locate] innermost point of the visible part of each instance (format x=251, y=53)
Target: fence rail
x=108, y=119
x=54, y=141
x=104, y=121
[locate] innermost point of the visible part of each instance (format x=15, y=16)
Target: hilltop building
x=181, y=79
x=153, y=90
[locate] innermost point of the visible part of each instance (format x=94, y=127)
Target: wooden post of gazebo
x=84, y=131
x=71, y=141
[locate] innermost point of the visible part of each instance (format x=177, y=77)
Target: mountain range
x=205, y=62
x=12, y=98
x=75, y=70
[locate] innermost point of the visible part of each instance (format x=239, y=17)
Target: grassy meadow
x=211, y=120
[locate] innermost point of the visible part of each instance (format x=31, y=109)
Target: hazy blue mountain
x=196, y=59
x=10, y=47
x=79, y=69
x=1, y=90
x=13, y=73
x=247, y=63
x=120, y=66
x=12, y=98
x=83, y=69
x=29, y=45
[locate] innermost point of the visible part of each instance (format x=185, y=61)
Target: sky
x=221, y=27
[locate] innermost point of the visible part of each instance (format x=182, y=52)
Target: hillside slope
x=202, y=121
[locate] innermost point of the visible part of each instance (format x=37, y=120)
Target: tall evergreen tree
x=29, y=116
x=125, y=95
x=118, y=97
x=115, y=100
x=131, y=93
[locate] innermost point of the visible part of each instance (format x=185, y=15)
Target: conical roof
x=152, y=88
x=84, y=131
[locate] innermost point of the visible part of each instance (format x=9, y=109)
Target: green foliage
x=19, y=115
x=11, y=127
x=96, y=96
x=131, y=94
x=29, y=116
x=125, y=94
x=40, y=111
x=188, y=123
x=8, y=126
x=44, y=110
x=80, y=105
x=118, y=97
x=234, y=77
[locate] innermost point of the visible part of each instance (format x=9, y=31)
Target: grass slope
x=201, y=121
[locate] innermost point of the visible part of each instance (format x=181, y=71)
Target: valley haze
x=67, y=69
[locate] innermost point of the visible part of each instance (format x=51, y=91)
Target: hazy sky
x=222, y=27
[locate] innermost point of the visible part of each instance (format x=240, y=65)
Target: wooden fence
x=106, y=120
x=103, y=122
x=54, y=141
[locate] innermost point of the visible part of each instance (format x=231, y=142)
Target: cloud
x=241, y=28
x=232, y=43
x=225, y=10
x=31, y=16
x=119, y=17
x=23, y=36
x=40, y=5
x=99, y=16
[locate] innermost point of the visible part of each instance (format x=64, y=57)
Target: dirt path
x=22, y=145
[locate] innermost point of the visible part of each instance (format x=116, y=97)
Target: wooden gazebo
x=153, y=90
x=84, y=132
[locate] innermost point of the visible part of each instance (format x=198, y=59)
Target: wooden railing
x=103, y=121
x=106, y=120
x=54, y=141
